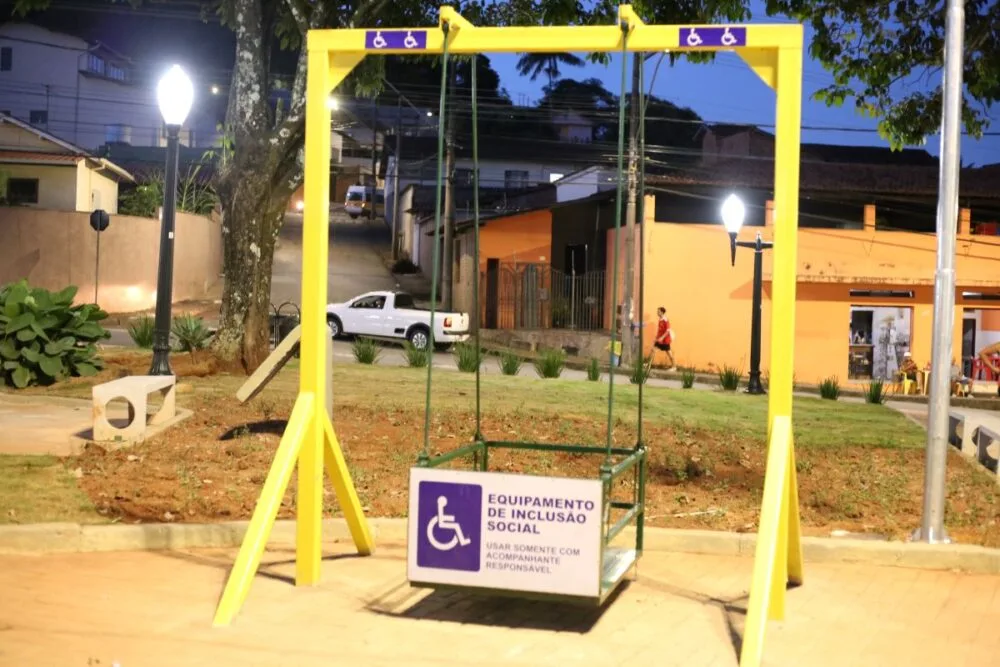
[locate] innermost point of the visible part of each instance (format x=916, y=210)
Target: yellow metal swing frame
x=774, y=52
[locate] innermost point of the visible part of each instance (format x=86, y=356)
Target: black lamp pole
x=758, y=245
x=165, y=274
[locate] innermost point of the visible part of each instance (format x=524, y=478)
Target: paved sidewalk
x=150, y=609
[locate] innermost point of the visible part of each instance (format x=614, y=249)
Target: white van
x=359, y=201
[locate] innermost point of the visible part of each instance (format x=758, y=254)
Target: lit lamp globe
x=175, y=95
x=733, y=214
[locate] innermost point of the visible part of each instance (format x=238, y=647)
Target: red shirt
x=662, y=330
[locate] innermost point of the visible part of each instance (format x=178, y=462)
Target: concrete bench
x=135, y=390
x=985, y=438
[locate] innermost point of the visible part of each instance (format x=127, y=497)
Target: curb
x=47, y=538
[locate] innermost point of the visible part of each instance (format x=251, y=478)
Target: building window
x=6, y=58
x=38, y=117
x=22, y=191
x=515, y=179
x=117, y=134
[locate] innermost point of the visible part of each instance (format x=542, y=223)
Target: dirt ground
x=211, y=468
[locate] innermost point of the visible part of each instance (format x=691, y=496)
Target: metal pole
x=932, y=528
x=395, y=185
x=374, y=157
x=572, y=294
x=165, y=274
x=97, y=266
x=754, y=386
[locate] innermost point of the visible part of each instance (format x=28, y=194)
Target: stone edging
x=47, y=538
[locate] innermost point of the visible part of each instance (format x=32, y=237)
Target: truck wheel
x=419, y=337
x=333, y=324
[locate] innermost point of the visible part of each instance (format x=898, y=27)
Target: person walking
x=664, y=336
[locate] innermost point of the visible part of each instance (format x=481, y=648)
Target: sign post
x=503, y=531
x=99, y=221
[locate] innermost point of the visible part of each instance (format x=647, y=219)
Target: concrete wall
x=53, y=249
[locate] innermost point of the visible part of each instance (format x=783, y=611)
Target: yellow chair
x=904, y=383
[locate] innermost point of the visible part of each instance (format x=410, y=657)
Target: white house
x=585, y=182
x=83, y=93
x=39, y=170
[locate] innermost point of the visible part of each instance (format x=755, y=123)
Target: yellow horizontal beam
x=552, y=39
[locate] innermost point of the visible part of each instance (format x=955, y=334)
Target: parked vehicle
x=394, y=316
x=364, y=200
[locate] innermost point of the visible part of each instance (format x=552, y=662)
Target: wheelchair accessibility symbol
x=380, y=40
x=445, y=522
x=449, y=525
x=714, y=36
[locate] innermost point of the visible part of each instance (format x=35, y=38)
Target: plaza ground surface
x=860, y=466
x=155, y=608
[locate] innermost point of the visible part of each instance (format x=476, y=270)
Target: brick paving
x=146, y=609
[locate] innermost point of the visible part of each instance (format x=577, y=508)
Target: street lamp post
x=733, y=214
x=174, y=94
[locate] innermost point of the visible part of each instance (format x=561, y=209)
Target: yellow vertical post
x=312, y=373
x=788, y=120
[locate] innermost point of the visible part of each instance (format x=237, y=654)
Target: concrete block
x=161, y=536
x=40, y=538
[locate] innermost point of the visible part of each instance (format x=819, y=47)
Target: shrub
x=594, y=370
x=550, y=364
x=140, y=330
x=468, y=357
x=415, y=357
x=830, y=388
x=729, y=378
x=366, y=351
x=876, y=392
x=640, y=370
x=510, y=362
x=45, y=338
x=687, y=378
x=190, y=332
x=405, y=266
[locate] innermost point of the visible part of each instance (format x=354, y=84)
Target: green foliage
x=641, y=369
x=551, y=363
x=193, y=195
x=468, y=357
x=729, y=378
x=594, y=370
x=140, y=330
x=510, y=362
x=830, y=388
x=881, y=55
x=366, y=351
x=687, y=378
x=45, y=338
x=415, y=357
x=190, y=332
x=876, y=392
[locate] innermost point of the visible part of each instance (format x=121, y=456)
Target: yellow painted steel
x=774, y=53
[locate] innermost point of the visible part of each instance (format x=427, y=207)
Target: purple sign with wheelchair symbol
x=449, y=526
x=713, y=36
x=396, y=40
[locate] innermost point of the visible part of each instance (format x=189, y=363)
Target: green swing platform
x=523, y=535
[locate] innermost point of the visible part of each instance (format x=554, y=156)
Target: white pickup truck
x=393, y=315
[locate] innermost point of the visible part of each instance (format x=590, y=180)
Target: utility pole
x=396, y=208
x=448, y=216
x=932, y=525
x=628, y=339
x=374, y=156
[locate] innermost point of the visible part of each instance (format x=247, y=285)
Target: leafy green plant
x=468, y=357
x=140, y=330
x=510, y=362
x=366, y=351
x=687, y=378
x=45, y=338
x=190, y=332
x=194, y=195
x=594, y=370
x=641, y=369
x=415, y=357
x=551, y=363
x=876, y=392
x=729, y=378
x=829, y=388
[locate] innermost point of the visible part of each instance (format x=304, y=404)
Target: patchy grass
x=37, y=489
x=859, y=466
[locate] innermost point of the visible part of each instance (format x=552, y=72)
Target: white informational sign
x=502, y=531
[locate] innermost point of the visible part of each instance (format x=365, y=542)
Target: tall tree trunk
x=628, y=308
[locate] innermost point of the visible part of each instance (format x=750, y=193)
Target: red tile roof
x=37, y=157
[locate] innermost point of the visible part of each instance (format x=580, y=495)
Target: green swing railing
x=618, y=462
